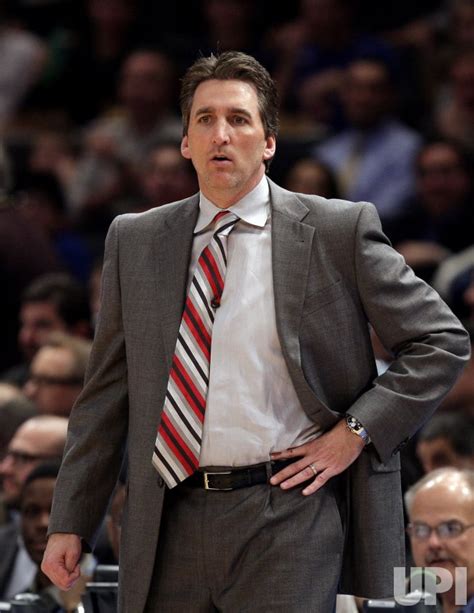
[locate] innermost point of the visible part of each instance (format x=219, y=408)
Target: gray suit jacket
x=334, y=270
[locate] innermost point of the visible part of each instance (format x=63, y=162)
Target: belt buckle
x=217, y=489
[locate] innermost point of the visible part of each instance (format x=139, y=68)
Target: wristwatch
x=354, y=426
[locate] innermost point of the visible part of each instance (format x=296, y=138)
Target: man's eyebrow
x=209, y=109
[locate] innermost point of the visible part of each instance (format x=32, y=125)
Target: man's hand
x=61, y=559
x=323, y=458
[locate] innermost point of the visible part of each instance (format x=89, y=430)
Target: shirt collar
x=253, y=208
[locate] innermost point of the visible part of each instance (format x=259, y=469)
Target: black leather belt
x=235, y=478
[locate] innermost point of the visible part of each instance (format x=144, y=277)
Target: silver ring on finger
x=313, y=468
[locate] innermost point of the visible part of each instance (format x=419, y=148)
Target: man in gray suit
x=293, y=490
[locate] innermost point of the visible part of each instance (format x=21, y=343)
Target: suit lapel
x=172, y=254
x=292, y=246
x=291, y=252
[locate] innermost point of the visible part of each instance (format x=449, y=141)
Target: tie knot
x=224, y=222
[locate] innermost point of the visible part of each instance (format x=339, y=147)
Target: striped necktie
x=178, y=442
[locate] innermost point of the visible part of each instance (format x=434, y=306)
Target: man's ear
x=185, y=152
x=270, y=148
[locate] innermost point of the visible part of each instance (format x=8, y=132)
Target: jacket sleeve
x=98, y=422
x=429, y=344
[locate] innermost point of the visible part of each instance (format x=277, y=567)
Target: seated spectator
x=38, y=439
x=35, y=508
x=166, y=177
x=44, y=206
x=441, y=217
x=446, y=440
x=454, y=117
x=53, y=152
x=23, y=60
x=18, y=265
x=57, y=374
x=441, y=512
x=53, y=302
x=308, y=176
x=454, y=281
x=323, y=37
x=117, y=145
x=373, y=158
x=461, y=396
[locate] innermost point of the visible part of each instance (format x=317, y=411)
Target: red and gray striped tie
x=178, y=442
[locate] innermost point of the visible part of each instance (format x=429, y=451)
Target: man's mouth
x=437, y=559
x=220, y=158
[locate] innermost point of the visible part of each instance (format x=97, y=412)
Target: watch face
x=352, y=422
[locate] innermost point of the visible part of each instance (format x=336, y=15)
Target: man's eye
x=204, y=119
x=238, y=120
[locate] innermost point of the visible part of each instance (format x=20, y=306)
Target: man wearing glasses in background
x=37, y=440
x=441, y=511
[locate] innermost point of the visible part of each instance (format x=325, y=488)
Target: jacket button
x=160, y=481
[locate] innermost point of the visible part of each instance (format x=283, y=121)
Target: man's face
x=442, y=502
x=52, y=385
x=438, y=453
x=35, y=511
x=367, y=94
x=442, y=182
x=28, y=448
x=145, y=85
x=37, y=320
x=226, y=140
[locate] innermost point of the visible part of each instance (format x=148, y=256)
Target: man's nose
x=434, y=542
x=221, y=133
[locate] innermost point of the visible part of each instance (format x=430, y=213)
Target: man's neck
x=224, y=199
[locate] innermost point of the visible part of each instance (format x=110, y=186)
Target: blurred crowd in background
x=377, y=104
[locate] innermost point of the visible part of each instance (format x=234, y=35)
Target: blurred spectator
x=441, y=511
x=322, y=37
x=51, y=302
x=20, y=574
x=441, y=218
x=57, y=374
x=23, y=59
x=109, y=34
x=454, y=117
x=38, y=439
x=24, y=254
x=35, y=508
x=44, y=206
x=22, y=549
x=461, y=396
x=54, y=153
x=166, y=177
x=116, y=146
x=373, y=158
x=446, y=440
x=309, y=176
x=454, y=281
x=229, y=25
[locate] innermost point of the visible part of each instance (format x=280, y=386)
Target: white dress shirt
x=252, y=408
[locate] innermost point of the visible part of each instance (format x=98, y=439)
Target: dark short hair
x=455, y=428
x=227, y=66
x=45, y=470
x=68, y=295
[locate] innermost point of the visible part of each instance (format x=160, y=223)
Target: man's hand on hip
x=61, y=559
x=322, y=458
